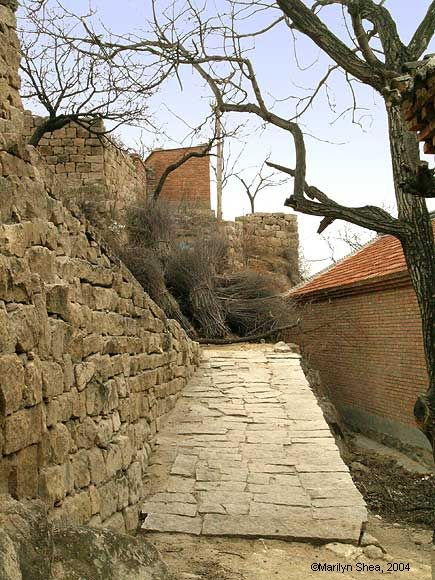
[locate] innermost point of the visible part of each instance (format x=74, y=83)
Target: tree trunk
x=252, y=202
x=49, y=125
x=418, y=248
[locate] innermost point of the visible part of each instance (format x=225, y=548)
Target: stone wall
x=103, y=181
x=265, y=242
x=101, y=178
x=88, y=363
x=270, y=243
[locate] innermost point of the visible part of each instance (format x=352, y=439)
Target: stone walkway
x=246, y=452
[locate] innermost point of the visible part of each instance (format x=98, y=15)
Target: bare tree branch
x=181, y=161
x=258, y=183
x=73, y=84
x=319, y=204
x=310, y=24
x=423, y=35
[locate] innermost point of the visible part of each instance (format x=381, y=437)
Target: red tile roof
x=380, y=258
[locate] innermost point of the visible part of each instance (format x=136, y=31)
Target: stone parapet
x=91, y=171
x=270, y=243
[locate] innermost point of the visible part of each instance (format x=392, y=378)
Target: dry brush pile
x=194, y=284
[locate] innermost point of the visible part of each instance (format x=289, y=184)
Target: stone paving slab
x=246, y=452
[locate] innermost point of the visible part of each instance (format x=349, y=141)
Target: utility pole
x=219, y=161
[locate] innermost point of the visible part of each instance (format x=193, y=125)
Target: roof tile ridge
x=338, y=262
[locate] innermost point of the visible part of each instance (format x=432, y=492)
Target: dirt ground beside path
x=202, y=558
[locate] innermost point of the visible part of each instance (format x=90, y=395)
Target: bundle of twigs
x=252, y=302
x=148, y=270
x=191, y=274
x=151, y=227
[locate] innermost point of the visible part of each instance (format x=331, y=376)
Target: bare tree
x=217, y=47
x=260, y=182
x=219, y=134
x=73, y=84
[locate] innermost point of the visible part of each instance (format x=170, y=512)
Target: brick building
x=361, y=330
x=188, y=184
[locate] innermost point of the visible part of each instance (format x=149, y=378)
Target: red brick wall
x=190, y=183
x=369, y=352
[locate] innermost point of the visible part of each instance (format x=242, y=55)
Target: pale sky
x=350, y=163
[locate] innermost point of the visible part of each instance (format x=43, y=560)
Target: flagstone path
x=247, y=452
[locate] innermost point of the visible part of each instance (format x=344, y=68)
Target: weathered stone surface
x=173, y=523
x=374, y=552
x=105, y=555
x=9, y=563
x=84, y=373
x=239, y=472
x=11, y=383
x=26, y=527
x=52, y=379
x=26, y=473
x=52, y=482
x=184, y=465
x=344, y=550
x=298, y=529
x=23, y=428
x=32, y=548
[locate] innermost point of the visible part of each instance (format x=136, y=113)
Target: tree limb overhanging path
x=247, y=452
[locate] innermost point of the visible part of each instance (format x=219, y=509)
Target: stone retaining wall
x=101, y=178
x=88, y=363
x=270, y=243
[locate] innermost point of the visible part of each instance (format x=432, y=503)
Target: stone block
x=131, y=518
x=84, y=432
x=33, y=382
x=68, y=371
x=134, y=474
x=27, y=328
x=58, y=300
x=65, y=401
x=26, y=481
x=42, y=261
x=126, y=447
x=94, y=496
x=96, y=396
x=78, y=404
x=116, y=523
x=77, y=508
x=173, y=523
x=97, y=466
x=11, y=383
x=52, y=412
x=123, y=491
x=59, y=443
x=23, y=428
x=108, y=499
x=7, y=342
x=83, y=374
x=52, y=483
x=113, y=458
x=52, y=379
x=80, y=469
x=14, y=238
